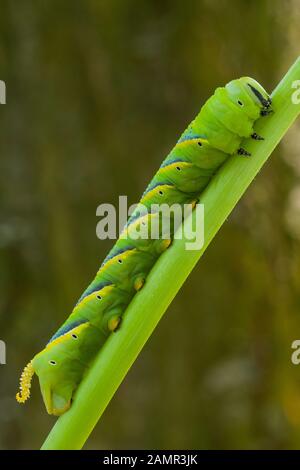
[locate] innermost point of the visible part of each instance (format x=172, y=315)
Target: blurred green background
x=97, y=93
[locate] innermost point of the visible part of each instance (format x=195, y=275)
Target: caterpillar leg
x=164, y=245
x=256, y=136
x=139, y=282
x=114, y=322
x=194, y=203
x=266, y=112
x=244, y=152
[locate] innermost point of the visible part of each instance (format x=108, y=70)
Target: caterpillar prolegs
x=215, y=134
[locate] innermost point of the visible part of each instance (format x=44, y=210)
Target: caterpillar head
x=60, y=368
x=259, y=96
x=250, y=96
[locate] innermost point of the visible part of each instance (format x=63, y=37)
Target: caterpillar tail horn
x=25, y=383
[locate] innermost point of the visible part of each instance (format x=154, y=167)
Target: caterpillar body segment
x=141, y=231
x=125, y=268
x=94, y=307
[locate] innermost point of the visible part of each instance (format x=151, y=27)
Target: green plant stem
x=114, y=360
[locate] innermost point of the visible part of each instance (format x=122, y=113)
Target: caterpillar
x=224, y=120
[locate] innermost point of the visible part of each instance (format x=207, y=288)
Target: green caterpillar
x=215, y=134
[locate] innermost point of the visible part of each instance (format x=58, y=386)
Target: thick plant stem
x=220, y=197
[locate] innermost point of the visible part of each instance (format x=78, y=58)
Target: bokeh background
x=97, y=93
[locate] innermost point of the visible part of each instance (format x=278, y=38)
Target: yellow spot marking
x=139, y=283
x=113, y=323
x=166, y=243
